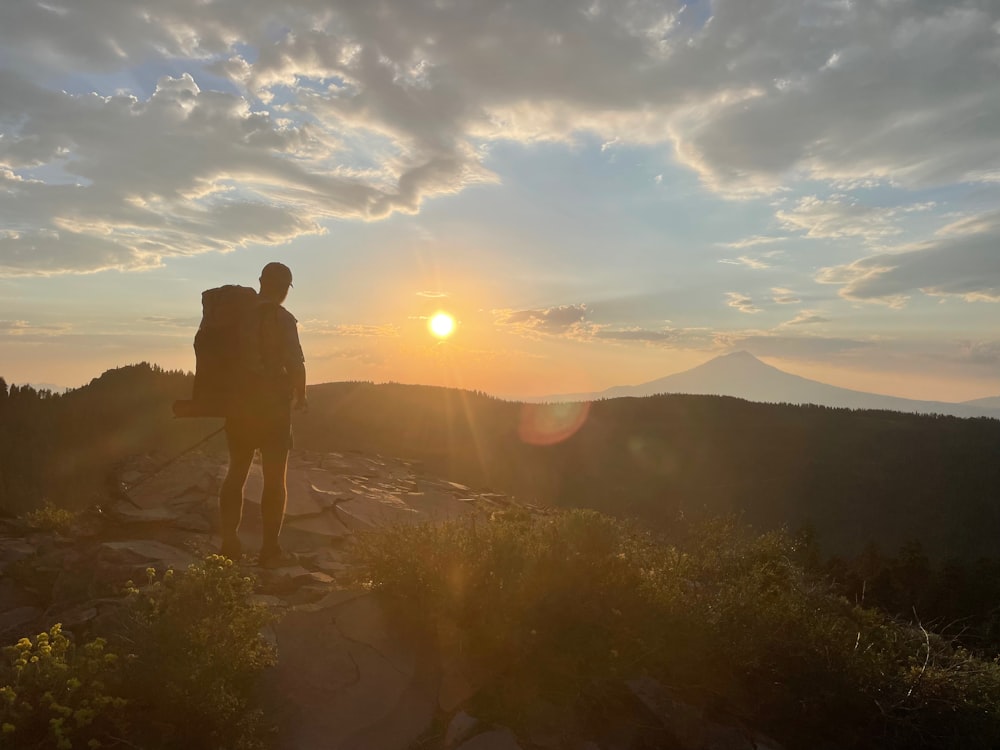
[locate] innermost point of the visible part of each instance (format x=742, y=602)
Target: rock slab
x=347, y=678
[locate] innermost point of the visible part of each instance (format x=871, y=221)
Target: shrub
x=53, y=694
x=196, y=649
x=560, y=606
x=555, y=606
x=185, y=651
x=50, y=518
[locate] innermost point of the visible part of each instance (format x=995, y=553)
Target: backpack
x=220, y=349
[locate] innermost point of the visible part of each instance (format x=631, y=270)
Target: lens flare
x=548, y=424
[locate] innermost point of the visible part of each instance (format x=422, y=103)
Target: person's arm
x=295, y=365
x=298, y=375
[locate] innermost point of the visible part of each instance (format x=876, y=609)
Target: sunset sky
x=600, y=193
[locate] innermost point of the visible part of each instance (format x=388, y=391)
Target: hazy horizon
x=734, y=379
x=599, y=193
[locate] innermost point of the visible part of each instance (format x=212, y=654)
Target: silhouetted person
x=273, y=380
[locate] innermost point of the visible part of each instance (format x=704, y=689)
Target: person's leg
x=274, y=464
x=231, y=498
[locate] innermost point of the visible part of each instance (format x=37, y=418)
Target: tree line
x=61, y=447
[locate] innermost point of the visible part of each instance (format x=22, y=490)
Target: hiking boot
x=275, y=557
x=232, y=548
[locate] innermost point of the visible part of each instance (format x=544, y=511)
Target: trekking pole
x=126, y=488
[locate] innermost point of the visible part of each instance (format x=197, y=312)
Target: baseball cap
x=275, y=271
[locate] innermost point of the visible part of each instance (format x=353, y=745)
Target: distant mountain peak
x=742, y=375
x=734, y=362
x=742, y=357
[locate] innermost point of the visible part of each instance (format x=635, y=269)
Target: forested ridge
x=60, y=447
x=854, y=477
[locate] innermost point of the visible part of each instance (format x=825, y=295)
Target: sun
x=441, y=325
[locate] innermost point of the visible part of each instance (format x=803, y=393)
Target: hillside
x=62, y=445
x=853, y=476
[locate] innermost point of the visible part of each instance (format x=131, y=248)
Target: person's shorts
x=270, y=432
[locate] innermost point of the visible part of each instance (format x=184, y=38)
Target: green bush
x=562, y=606
x=196, y=650
x=53, y=694
x=50, y=518
x=554, y=607
x=185, y=652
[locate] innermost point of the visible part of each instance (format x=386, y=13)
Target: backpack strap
x=268, y=339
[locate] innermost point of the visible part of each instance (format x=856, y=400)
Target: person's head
x=275, y=279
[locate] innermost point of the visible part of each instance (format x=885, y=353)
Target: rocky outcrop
x=349, y=677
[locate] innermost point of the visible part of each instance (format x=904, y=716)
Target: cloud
x=846, y=91
x=637, y=334
x=433, y=295
x=754, y=241
x=364, y=355
x=806, y=317
x=981, y=352
x=569, y=322
x=182, y=172
x=741, y=302
x=323, y=328
x=23, y=330
x=277, y=117
x=672, y=338
x=961, y=260
x=772, y=344
x=550, y=321
x=744, y=260
x=66, y=337
x=783, y=296
x=838, y=217
x=171, y=322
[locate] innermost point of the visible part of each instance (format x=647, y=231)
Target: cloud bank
x=270, y=119
x=961, y=260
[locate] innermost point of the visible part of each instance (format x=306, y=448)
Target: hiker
x=272, y=382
